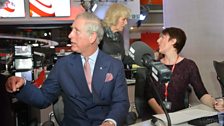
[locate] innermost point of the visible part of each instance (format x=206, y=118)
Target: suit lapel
x=78, y=74
x=99, y=73
x=100, y=70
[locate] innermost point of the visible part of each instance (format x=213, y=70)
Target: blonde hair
x=114, y=12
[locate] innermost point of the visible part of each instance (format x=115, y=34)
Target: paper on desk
x=185, y=115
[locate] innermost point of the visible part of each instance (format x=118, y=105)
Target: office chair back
x=219, y=68
x=187, y=96
x=58, y=109
x=58, y=113
x=140, y=102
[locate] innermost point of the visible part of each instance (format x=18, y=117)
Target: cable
x=159, y=98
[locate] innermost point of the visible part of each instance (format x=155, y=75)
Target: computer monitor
x=23, y=64
x=28, y=75
x=49, y=8
x=12, y=9
x=23, y=50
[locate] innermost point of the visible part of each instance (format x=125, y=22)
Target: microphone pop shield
x=138, y=49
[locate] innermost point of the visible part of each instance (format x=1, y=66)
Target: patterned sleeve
x=196, y=81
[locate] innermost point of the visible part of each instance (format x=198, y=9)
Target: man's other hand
x=13, y=84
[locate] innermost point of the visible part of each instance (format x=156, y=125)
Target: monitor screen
x=23, y=64
x=13, y=8
x=49, y=8
x=23, y=51
x=28, y=75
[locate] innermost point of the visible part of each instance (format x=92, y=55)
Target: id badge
x=167, y=105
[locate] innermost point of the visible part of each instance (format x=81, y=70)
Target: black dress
x=186, y=72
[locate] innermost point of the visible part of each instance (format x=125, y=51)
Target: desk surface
x=148, y=123
x=203, y=107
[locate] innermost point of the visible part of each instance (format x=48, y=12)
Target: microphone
x=143, y=55
x=137, y=50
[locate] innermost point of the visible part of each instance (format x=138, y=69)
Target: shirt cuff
x=115, y=123
x=24, y=81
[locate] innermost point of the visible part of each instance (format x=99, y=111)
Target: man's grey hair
x=93, y=24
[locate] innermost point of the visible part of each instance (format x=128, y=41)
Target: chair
x=219, y=68
x=140, y=102
x=187, y=96
x=58, y=113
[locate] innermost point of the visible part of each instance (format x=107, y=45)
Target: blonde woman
x=116, y=18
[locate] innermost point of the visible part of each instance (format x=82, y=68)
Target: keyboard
x=204, y=120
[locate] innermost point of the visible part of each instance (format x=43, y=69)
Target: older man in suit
x=99, y=98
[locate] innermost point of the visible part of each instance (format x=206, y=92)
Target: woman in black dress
x=184, y=73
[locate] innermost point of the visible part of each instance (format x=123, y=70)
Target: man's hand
x=107, y=123
x=14, y=83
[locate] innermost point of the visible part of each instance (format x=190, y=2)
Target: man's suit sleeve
x=120, y=101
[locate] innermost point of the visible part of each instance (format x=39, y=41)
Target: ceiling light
x=142, y=17
x=94, y=7
x=144, y=12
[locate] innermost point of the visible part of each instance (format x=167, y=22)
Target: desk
x=200, y=106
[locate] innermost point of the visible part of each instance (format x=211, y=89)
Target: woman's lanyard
x=167, y=84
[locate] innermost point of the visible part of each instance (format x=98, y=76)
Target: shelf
x=155, y=11
x=152, y=27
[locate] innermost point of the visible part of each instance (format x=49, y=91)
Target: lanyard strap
x=167, y=84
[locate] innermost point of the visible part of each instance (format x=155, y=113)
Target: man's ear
x=93, y=37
